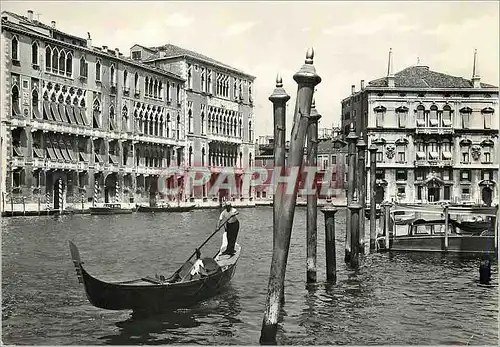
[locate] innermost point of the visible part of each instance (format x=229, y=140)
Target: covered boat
x=423, y=231
x=157, y=293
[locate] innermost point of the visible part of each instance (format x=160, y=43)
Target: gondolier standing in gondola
x=232, y=227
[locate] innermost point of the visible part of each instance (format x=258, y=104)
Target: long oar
x=204, y=243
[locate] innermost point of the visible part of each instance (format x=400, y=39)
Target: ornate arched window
x=15, y=48
x=98, y=70
x=136, y=83
x=112, y=75
x=55, y=60
x=34, y=53
x=16, y=110
x=62, y=62
x=48, y=58
x=125, y=118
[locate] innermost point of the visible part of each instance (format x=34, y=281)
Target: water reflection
x=186, y=326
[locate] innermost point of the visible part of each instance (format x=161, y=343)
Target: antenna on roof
x=38, y=16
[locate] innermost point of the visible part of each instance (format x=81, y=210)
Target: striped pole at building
x=96, y=191
x=117, y=188
x=60, y=195
x=47, y=201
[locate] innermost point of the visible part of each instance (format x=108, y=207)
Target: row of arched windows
x=59, y=61
x=152, y=156
x=153, y=88
x=155, y=124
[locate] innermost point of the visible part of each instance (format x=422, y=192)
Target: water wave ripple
x=402, y=299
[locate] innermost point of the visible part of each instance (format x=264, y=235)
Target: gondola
x=158, y=293
x=167, y=208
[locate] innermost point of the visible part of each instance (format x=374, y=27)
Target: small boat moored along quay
x=166, y=208
x=111, y=208
x=416, y=228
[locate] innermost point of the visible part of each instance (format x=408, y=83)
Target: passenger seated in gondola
x=198, y=269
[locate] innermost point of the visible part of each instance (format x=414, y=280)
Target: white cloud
x=178, y=20
x=239, y=28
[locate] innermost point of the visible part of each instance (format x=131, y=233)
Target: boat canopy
x=440, y=209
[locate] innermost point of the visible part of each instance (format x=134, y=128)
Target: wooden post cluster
x=312, y=199
x=373, y=208
x=352, y=138
x=330, y=254
x=279, y=98
x=306, y=79
x=361, y=170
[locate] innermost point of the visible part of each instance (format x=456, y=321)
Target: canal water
x=394, y=299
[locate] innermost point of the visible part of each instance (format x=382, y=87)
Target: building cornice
x=190, y=58
x=6, y=26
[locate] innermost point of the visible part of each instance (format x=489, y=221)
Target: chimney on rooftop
x=476, y=79
x=53, y=24
x=105, y=49
x=89, y=40
x=353, y=89
x=117, y=52
x=362, y=84
x=390, y=73
x=30, y=15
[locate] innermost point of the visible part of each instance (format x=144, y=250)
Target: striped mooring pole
x=60, y=195
x=47, y=202
x=117, y=190
x=83, y=201
x=96, y=191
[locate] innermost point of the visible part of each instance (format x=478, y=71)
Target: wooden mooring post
x=306, y=79
x=352, y=138
x=312, y=197
x=361, y=182
x=279, y=98
x=355, y=209
x=330, y=253
x=446, y=227
x=373, y=206
x=387, y=220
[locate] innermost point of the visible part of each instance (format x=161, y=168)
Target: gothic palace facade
x=82, y=124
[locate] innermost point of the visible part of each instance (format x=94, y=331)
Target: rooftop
x=26, y=25
x=423, y=77
x=172, y=51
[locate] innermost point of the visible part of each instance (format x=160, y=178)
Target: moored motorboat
x=158, y=293
x=423, y=232
x=113, y=208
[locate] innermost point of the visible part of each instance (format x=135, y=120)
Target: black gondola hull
x=153, y=297
x=144, y=295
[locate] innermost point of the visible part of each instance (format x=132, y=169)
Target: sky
x=351, y=40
